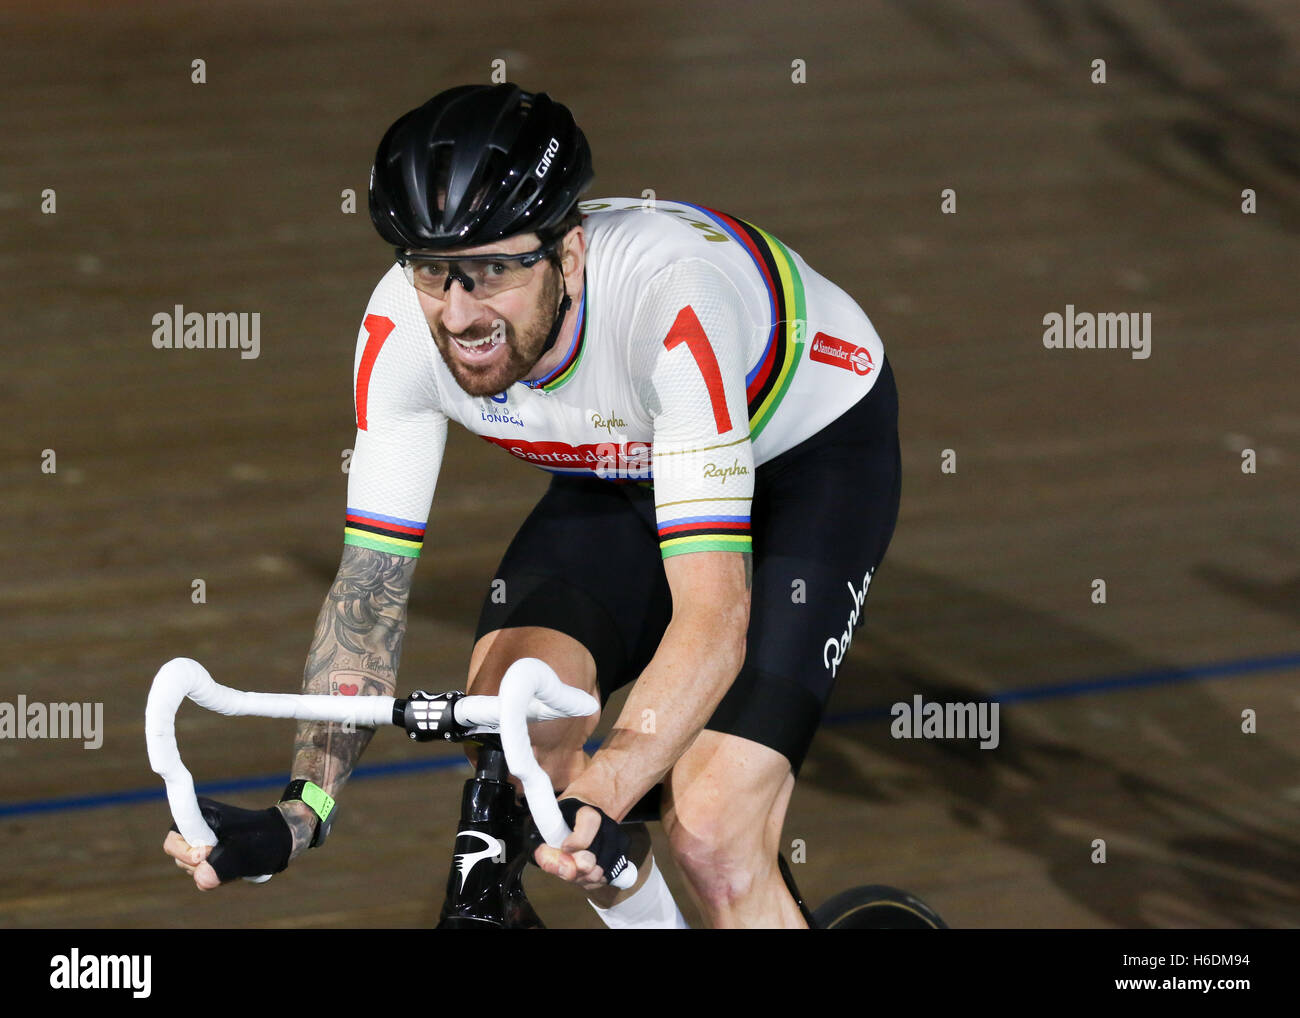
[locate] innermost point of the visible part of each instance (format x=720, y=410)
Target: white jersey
x=703, y=348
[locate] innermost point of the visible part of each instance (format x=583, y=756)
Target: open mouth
x=475, y=350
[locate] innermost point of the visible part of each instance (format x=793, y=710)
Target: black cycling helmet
x=505, y=161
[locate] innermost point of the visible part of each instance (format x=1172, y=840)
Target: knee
x=722, y=859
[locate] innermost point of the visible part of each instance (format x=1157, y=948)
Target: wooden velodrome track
x=1072, y=465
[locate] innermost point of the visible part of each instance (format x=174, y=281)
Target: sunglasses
x=483, y=275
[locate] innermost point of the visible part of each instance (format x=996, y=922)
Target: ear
x=573, y=258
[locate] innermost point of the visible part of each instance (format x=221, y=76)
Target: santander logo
x=840, y=353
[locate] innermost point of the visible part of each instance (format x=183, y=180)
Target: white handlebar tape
x=483, y=713
x=527, y=678
x=530, y=690
x=182, y=677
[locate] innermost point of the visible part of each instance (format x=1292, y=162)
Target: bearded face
x=489, y=346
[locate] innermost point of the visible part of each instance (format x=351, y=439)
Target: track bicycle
x=498, y=834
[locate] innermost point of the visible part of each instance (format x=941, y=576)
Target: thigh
x=557, y=743
x=824, y=514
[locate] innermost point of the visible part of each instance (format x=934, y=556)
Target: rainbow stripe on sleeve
x=703, y=533
x=389, y=534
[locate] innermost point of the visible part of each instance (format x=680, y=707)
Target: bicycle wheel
x=877, y=907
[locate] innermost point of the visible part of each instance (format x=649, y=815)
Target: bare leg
x=724, y=811
x=557, y=744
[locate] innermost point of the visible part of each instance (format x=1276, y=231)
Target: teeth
x=475, y=343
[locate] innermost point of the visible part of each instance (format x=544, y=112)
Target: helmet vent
x=527, y=191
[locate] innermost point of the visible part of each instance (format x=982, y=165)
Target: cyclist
x=721, y=425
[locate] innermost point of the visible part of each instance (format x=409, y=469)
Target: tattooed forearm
x=364, y=616
x=355, y=651
x=302, y=825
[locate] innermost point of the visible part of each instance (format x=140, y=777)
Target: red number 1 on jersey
x=377, y=329
x=687, y=329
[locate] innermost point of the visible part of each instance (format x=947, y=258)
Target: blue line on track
x=1082, y=687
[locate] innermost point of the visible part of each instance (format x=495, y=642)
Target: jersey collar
x=563, y=371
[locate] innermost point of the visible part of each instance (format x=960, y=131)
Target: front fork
x=494, y=842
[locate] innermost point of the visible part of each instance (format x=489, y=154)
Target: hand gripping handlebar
x=527, y=678
x=530, y=691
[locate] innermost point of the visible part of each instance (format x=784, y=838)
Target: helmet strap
x=555, y=326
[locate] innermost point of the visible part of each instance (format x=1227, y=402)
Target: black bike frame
x=496, y=839
x=494, y=842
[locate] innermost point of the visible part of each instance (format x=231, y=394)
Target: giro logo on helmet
x=547, y=156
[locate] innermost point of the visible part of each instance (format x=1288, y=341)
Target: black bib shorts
x=586, y=562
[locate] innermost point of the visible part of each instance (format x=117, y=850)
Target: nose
x=459, y=309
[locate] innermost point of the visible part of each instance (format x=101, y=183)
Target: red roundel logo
x=840, y=353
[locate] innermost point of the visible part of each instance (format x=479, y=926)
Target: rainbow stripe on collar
x=569, y=366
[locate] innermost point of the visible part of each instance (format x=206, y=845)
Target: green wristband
x=318, y=801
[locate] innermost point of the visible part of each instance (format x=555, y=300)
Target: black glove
x=250, y=842
x=610, y=844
